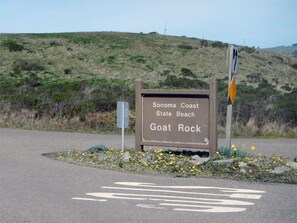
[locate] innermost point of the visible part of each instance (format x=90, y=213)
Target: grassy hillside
x=73, y=80
x=130, y=56
x=285, y=49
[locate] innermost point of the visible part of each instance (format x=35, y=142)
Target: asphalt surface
x=34, y=188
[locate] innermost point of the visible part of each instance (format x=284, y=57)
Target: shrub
x=254, y=78
x=67, y=71
x=294, y=65
x=138, y=59
x=26, y=65
x=204, y=43
x=12, y=45
x=111, y=59
x=286, y=87
x=55, y=42
x=187, y=73
x=185, y=47
x=219, y=44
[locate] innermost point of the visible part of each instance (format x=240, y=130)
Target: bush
x=286, y=87
x=204, y=43
x=67, y=71
x=138, y=59
x=12, y=45
x=55, y=42
x=219, y=44
x=187, y=73
x=254, y=78
x=111, y=59
x=295, y=64
x=26, y=65
x=185, y=47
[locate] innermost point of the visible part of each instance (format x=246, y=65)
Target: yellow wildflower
x=234, y=147
x=253, y=148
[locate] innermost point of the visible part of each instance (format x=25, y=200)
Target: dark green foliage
x=149, y=68
x=204, y=43
x=67, y=98
x=80, y=39
x=286, y=107
x=286, y=87
x=110, y=59
x=26, y=65
x=185, y=72
x=12, y=45
x=233, y=153
x=219, y=44
x=185, y=47
x=254, y=78
x=295, y=64
x=67, y=71
x=138, y=59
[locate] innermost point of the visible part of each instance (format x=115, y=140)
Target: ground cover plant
x=231, y=163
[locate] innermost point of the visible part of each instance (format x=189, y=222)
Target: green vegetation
x=285, y=49
x=72, y=81
x=227, y=163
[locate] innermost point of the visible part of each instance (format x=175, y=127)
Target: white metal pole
x=123, y=127
x=229, y=106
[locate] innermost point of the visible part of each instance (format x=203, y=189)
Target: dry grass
x=105, y=122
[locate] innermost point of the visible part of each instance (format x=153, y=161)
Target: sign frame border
x=140, y=92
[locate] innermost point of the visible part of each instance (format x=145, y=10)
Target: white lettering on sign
x=163, y=105
x=160, y=128
x=185, y=128
x=185, y=105
x=185, y=114
x=163, y=114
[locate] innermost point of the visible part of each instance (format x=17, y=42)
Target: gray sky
x=259, y=23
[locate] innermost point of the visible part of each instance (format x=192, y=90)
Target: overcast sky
x=259, y=23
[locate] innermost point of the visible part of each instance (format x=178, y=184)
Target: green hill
x=73, y=80
x=285, y=49
x=145, y=56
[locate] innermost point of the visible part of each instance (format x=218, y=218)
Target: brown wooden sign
x=186, y=119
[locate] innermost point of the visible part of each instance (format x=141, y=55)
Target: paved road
x=34, y=188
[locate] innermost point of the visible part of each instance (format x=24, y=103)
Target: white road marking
x=222, y=189
x=165, y=198
x=88, y=199
x=196, y=201
x=247, y=196
x=149, y=206
x=204, y=208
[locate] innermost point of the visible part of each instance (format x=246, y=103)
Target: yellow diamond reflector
x=232, y=91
